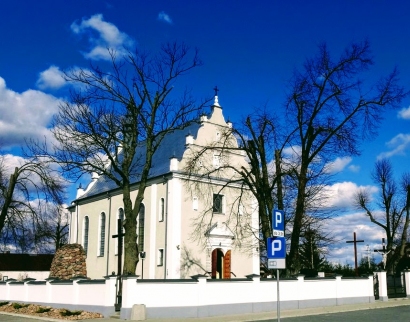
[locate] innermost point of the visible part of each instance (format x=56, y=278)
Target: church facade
x=189, y=223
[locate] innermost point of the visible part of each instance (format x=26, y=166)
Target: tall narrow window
x=102, y=235
x=161, y=209
x=85, y=235
x=160, y=257
x=141, y=220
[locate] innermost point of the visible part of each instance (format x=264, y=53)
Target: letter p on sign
x=278, y=220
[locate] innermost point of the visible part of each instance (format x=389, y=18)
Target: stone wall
x=69, y=262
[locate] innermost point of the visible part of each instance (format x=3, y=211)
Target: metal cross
x=216, y=90
x=119, y=235
x=355, y=251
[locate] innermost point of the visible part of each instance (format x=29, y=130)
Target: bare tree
x=32, y=182
x=394, y=203
x=117, y=118
x=328, y=112
x=331, y=110
x=51, y=229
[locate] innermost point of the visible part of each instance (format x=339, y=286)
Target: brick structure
x=69, y=262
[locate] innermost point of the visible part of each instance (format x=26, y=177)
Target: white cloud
x=52, y=78
x=108, y=36
x=341, y=194
x=354, y=168
x=10, y=162
x=398, y=146
x=164, y=17
x=338, y=165
x=404, y=113
x=24, y=115
x=342, y=229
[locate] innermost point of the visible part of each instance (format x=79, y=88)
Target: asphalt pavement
x=397, y=310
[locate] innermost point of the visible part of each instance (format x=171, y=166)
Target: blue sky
x=249, y=50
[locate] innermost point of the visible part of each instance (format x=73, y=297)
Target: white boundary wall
x=198, y=297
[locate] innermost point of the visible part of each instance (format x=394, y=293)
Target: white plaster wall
x=91, y=294
x=36, y=293
x=61, y=293
x=192, y=293
x=152, y=233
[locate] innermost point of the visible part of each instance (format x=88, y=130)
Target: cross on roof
x=216, y=90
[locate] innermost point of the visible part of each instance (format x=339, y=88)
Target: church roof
x=172, y=145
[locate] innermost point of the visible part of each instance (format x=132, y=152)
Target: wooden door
x=227, y=265
x=214, y=260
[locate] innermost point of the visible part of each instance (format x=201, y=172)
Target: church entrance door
x=221, y=264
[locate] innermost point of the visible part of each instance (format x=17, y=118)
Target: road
x=396, y=314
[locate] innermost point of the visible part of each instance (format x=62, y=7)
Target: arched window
x=102, y=235
x=120, y=215
x=141, y=220
x=85, y=234
x=161, y=209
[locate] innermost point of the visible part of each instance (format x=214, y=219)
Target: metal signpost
x=276, y=251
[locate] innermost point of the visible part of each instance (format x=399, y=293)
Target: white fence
x=198, y=297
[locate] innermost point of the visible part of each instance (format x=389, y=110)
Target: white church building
x=188, y=224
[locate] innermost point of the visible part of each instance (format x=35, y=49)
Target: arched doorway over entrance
x=221, y=264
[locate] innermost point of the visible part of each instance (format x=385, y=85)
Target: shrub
x=3, y=303
x=43, y=309
x=19, y=306
x=68, y=312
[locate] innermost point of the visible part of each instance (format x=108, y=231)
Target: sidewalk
x=252, y=316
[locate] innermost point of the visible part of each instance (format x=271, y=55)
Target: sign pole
x=278, y=299
x=276, y=250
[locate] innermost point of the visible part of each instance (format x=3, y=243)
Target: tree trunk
x=8, y=197
x=293, y=264
x=130, y=239
x=278, y=159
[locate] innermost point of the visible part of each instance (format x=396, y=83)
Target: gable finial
x=216, y=89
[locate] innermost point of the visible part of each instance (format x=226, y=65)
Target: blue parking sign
x=276, y=247
x=278, y=220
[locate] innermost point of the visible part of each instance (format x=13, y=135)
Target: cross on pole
x=384, y=253
x=119, y=235
x=355, y=241
x=216, y=90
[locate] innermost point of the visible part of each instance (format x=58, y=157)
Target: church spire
x=216, y=103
